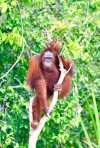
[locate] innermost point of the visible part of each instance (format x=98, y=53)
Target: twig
x=22, y=48
x=35, y=133
x=28, y=48
x=46, y=32
x=19, y=86
x=2, y=82
x=33, y=52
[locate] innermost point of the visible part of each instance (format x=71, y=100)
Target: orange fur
x=43, y=82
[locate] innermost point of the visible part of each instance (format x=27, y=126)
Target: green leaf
x=86, y=133
x=4, y=36
x=96, y=117
x=13, y=3
x=4, y=7
x=11, y=42
x=0, y=33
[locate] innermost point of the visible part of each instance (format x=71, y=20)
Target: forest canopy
x=76, y=24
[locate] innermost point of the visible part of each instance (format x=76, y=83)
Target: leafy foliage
x=75, y=23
